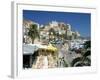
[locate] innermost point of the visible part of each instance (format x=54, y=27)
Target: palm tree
x=87, y=44
x=33, y=32
x=84, y=60
x=81, y=61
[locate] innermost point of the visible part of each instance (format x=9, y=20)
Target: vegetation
x=87, y=44
x=84, y=60
x=33, y=32
x=51, y=33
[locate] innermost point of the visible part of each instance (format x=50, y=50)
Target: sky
x=80, y=22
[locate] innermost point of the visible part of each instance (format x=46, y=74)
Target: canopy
x=50, y=47
x=29, y=48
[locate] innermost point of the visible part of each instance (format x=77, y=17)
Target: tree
x=87, y=44
x=81, y=61
x=84, y=60
x=52, y=33
x=51, y=30
x=33, y=32
x=75, y=61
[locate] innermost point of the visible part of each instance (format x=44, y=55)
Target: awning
x=29, y=48
x=50, y=47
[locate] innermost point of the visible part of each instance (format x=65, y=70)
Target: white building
x=78, y=43
x=54, y=23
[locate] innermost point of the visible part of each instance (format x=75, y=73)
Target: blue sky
x=80, y=22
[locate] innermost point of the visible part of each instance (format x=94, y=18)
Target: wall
x=5, y=39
